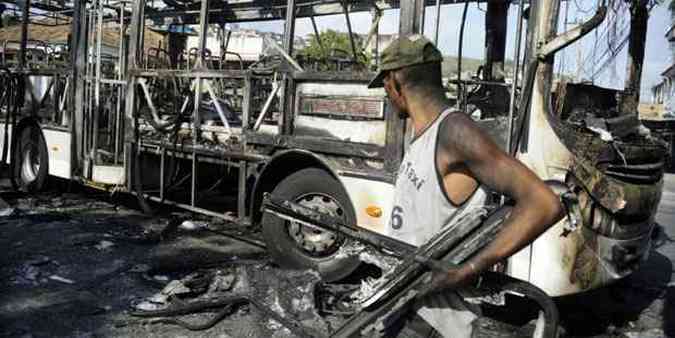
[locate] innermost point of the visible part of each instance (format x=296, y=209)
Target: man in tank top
x=442, y=175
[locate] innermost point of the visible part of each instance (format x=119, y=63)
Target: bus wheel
x=300, y=247
x=30, y=161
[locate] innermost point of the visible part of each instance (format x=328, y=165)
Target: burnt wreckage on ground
x=126, y=102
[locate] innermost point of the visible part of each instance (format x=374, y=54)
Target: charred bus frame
x=285, y=126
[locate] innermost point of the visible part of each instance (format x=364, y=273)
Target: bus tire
x=31, y=160
x=296, y=247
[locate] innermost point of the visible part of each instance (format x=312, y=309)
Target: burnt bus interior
x=197, y=114
x=135, y=97
x=195, y=127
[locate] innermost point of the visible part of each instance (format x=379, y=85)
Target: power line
x=610, y=34
x=612, y=57
x=579, y=9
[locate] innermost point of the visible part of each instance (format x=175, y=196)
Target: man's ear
x=396, y=85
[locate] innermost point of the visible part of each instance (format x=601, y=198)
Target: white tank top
x=421, y=209
x=421, y=206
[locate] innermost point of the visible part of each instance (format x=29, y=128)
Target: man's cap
x=404, y=52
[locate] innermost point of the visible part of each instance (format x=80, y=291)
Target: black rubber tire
x=30, y=139
x=283, y=249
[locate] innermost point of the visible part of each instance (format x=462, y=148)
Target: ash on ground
x=75, y=263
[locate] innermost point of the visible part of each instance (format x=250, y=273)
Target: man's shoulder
x=462, y=138
x=457, y=125
x=457, y=116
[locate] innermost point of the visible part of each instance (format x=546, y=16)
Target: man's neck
x=425, y=110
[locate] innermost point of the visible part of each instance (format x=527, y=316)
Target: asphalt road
x=73, y=263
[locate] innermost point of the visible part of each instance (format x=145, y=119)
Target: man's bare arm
x=537, y=208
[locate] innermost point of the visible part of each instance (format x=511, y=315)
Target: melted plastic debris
x=369, y=285
x=604, y=134
x=222, y=281
x=195, y=285
x=288, y=293
x=273, y=300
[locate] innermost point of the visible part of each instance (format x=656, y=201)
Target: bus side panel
x=565, y=263
x=58, y=148
x=553, y=257
x=518, y=265
x=365, y=193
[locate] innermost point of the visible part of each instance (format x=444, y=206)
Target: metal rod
x=193, y=181
x=203, y=30
x=460, y=89
x=113, y=82
x=266, y=107
x=121, y=59
x=78, y=57
x=286, y=55
x=377, y=40
x=317, y=36
x=289, y=28
x=195, y=137
x=516, y=71
x=241, y=196
x=148, y=98
x=188, y=207
x=132, y=141
x=162, y=162
x=99, y=40
x=25, y=13
x=89, y=129
x=374, y=28
x=97, y=82
x=120, y=52
x=118, y=122
x=285, y=102
x=246, y=104
x=226, y=45
x=219, y=109
x=62, y=103
x=349, y=30
x=196, y=118
x=438, y=21
x=481, y=82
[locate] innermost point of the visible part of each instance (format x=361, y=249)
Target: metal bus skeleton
x=189, y=128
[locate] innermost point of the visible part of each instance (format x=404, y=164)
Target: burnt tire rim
x=311, y=241
x=30, y=164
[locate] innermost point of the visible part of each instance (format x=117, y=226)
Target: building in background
x=249, y=44
x=664, y=92
x=42, y=36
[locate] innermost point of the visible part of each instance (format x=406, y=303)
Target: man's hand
x=450, y=279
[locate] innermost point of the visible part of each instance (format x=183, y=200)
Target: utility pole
x=412, y=17
x=495, y=39
x=639, y=16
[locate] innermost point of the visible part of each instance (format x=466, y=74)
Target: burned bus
x=199, y=126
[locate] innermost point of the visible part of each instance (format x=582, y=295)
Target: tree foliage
x=335, y=44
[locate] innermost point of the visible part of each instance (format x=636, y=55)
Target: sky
x=658, y=56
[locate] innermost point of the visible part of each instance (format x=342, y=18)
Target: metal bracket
x=552, y=46
x=573, y=212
